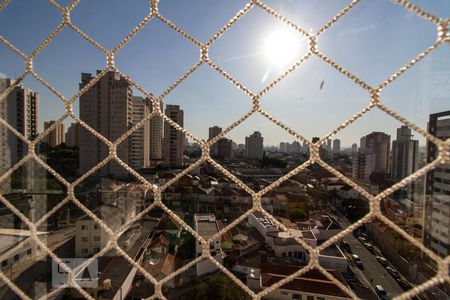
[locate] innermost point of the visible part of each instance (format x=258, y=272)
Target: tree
x=64, y=160
x=219, y=286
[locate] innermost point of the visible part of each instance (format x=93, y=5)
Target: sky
x=374, y=40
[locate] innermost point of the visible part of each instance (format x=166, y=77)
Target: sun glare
x=281, y=47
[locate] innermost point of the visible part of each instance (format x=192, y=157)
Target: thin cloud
x=359, y=30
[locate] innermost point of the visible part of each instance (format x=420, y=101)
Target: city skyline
x=246, y=63
x=363, y=215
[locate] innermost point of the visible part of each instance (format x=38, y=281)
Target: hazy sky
x=373, y=41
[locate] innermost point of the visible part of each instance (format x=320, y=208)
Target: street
x=374, y=273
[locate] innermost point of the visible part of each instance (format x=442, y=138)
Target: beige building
x=106, y=107
x=72, y=134
x=90, y=238
x=173, y=139
x=254, y=146
x=140, y=139
x=56, y=136
x=21, y=110
x=146, y=141
x=156, y=139
x=363, y=165
x=378, y=143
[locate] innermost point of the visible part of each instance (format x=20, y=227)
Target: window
x=16, y=257
x=4, y=263
x=84, y=250
x=29, y=252
x=297, y=296
x=84, y=239
x=97, y=238
x=309, y=297
x=83, y=227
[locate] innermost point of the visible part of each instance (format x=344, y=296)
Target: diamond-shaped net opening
x=127, y=219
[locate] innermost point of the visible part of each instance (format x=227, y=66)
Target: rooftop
x=206, y=225
x=263, y=220
x=311, y=282
x=332, y=250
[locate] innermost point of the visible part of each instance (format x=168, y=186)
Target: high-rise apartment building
x=283, y=147
x=377, y=143
x=354, y=148
x=254, y=146
x=145, y=142
x=106, y=107
x=336, y=146
x=156, y=138
x=224, y=148
x=328, y=148
x=405, y=152
x=363, y=165
x=72, y=134
x=213, y=132
x=296, y=147
x=174, y=140
x=140, y=139
x=56, y=136
x=21, y=110
x=437, y=198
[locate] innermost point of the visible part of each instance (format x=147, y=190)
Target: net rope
x=374, y=102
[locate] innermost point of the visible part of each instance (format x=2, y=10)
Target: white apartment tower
x=254, y=146
x=20, y=109
x=437, y=198
x=405, y=151
x=106, y=107
x=173, y=138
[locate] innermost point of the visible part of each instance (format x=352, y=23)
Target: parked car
x=346, y=246
x=383, y=261
x=358, y=261
x=405, y=285
x=381, y=292
x=362, y=239
x=393, y=272
x=369, y=246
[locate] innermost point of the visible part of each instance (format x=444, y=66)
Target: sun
x=281, y=47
